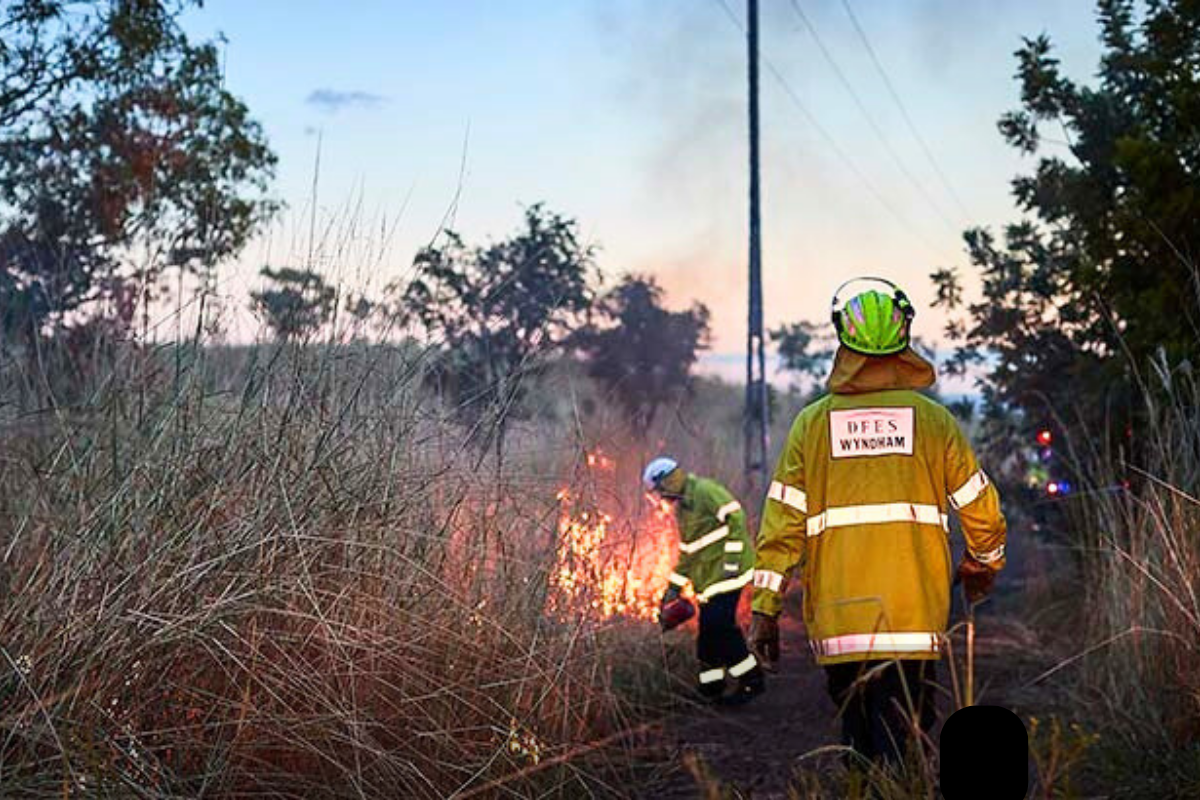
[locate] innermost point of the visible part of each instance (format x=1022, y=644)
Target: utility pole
x=755, y=416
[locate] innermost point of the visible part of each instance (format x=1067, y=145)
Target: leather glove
x=977, y=579
x=764, y=640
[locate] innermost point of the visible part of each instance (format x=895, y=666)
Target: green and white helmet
x=872, y=316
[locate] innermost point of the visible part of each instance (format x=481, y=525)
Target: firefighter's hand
x=764, y=640
x=673, y=610
x=977, y=579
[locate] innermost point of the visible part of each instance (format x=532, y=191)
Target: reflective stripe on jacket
x=715, y=554
x=859, y=505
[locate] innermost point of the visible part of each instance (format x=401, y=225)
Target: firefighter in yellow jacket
x=716, y=558
x=858, y=507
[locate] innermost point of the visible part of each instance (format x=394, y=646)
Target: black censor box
x=984, y=755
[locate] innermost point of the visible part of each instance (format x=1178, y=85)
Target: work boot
x=746, y=688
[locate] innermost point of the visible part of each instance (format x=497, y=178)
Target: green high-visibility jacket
x=715, y=554
x=859, y=506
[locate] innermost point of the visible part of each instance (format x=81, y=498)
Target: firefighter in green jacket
x=716, y=558
x=859, y=507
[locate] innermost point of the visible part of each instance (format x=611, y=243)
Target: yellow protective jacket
x=859, y=506
x=715, y=555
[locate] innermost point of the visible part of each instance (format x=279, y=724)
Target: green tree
x=297, y=305
x=805, y=348
x=493, y=312
x=641, y=352
x=1100, y=275
x=118, y=141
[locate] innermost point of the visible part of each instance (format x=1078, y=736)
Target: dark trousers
x=720, y=644
x=877, y=713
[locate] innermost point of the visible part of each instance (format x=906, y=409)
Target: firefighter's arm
x=730, y=513
x=678, y=578
x=976, y=500
x=780, y=545
x=704, y=536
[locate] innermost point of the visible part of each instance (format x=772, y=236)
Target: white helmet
x=656, y=470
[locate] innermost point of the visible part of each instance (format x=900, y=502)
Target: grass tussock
x=1133, y=679
x=295, y=578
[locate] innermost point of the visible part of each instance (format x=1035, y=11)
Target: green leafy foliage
x=494, y=311
x=121, y=154
x=298, y=304
x=1101, y=272
x=805, y=348
x=641, y=352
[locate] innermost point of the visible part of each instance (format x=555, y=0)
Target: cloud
x=331, y=101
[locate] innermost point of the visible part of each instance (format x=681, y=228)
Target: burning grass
x=606, y=568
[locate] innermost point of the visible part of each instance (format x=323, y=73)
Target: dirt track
x=753, y=746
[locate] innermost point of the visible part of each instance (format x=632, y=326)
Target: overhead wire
x=912, y=128
x=897, y=160
x=841, y=154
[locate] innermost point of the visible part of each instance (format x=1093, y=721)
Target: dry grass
x=1139, y=535
x=292, y=572
x=297, y=580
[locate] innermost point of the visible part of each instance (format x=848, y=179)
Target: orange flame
x=604, y=568
x=598, y=459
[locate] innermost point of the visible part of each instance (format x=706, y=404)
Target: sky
x=630, y=117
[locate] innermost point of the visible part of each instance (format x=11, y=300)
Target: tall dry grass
x=289, y=573
x=1138, y=527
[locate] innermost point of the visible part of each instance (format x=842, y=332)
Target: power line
x=879, y=134
x=912, y=128
x=812, y=120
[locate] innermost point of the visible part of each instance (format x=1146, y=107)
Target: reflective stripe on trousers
x=742, y=667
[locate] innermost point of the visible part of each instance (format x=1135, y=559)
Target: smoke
x=684, y=84
x=835, y=202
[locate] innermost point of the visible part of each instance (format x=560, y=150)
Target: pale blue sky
x=630, y=117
